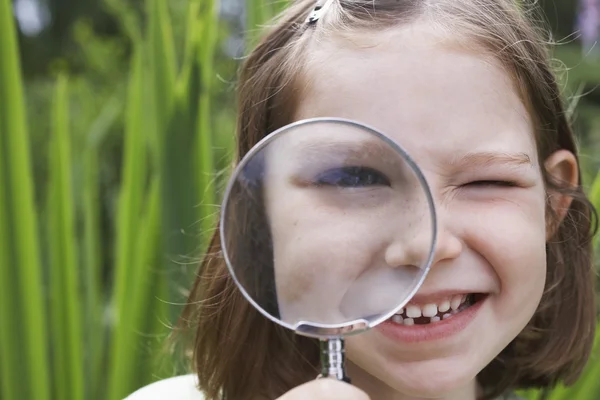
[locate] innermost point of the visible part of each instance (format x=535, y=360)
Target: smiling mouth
x=414, y=314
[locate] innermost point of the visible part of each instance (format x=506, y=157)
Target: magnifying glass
x=328, y=228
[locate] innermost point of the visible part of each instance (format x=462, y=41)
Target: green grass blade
x=178, y=191
x=204, y=150
x=121, y=375
x=127, y=16
x=193, y=28
x=257, y=14
x=165, y=360
x=58, y=329
x=146, y=274
x=64, y=269
x=137, y=366
x=162, y=58
x=279, y=6
x=19, y=187
x=12, y=369
x=93, y=258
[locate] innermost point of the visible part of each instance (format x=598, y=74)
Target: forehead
x=434, y=97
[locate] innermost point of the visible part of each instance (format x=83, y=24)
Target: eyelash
x=342, y=177
x=499, y=183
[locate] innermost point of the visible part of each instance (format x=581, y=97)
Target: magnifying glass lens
x=328, y=225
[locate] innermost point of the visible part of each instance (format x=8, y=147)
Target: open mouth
x=414, y=314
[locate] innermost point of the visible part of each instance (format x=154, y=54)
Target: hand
x=325, y=389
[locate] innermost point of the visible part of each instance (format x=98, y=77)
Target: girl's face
x=459, y=116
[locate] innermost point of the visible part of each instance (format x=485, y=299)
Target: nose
x=413, y=247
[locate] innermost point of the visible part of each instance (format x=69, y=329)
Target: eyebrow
x=486, y=158
x=359, y=149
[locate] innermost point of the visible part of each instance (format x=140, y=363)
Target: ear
x=563, y=169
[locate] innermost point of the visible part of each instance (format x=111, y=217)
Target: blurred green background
x=117, y=123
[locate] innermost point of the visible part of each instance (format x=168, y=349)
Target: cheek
x=511, y=237
x=319, y=247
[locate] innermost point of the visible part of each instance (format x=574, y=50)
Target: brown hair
x=239, y=354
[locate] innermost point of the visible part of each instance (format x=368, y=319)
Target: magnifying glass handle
x=332, y=359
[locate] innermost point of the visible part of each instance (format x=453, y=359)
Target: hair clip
x=318, y=11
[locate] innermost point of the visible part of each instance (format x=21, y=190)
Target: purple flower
x=588, y=23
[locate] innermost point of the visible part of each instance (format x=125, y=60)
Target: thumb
x=325, y=389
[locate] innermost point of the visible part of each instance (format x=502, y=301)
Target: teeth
x=413, y=311
x=456, y=301
x=433, y=312
x=430, y=310
x=444, y=306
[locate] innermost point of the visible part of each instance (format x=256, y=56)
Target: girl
x=466, y=88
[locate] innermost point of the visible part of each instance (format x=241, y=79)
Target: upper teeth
x=432, y=309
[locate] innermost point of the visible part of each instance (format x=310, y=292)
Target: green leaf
x=65, y=297
x=19, y=203
x=12, y=369
x=162, y=58
x=93, y=245
x=204, y=143
x=121, y=373
x=257, y=14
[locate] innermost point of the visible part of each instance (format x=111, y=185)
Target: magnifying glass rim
x=345, y=328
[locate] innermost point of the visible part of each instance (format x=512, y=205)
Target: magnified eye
x=352, y=177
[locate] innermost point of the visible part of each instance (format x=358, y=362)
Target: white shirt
x=177, y=388
x=185, y=388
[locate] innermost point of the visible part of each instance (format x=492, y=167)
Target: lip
x=443, y=329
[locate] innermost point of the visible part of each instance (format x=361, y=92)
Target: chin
x=434, y=387
x=429, y=379
x=428, y=384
